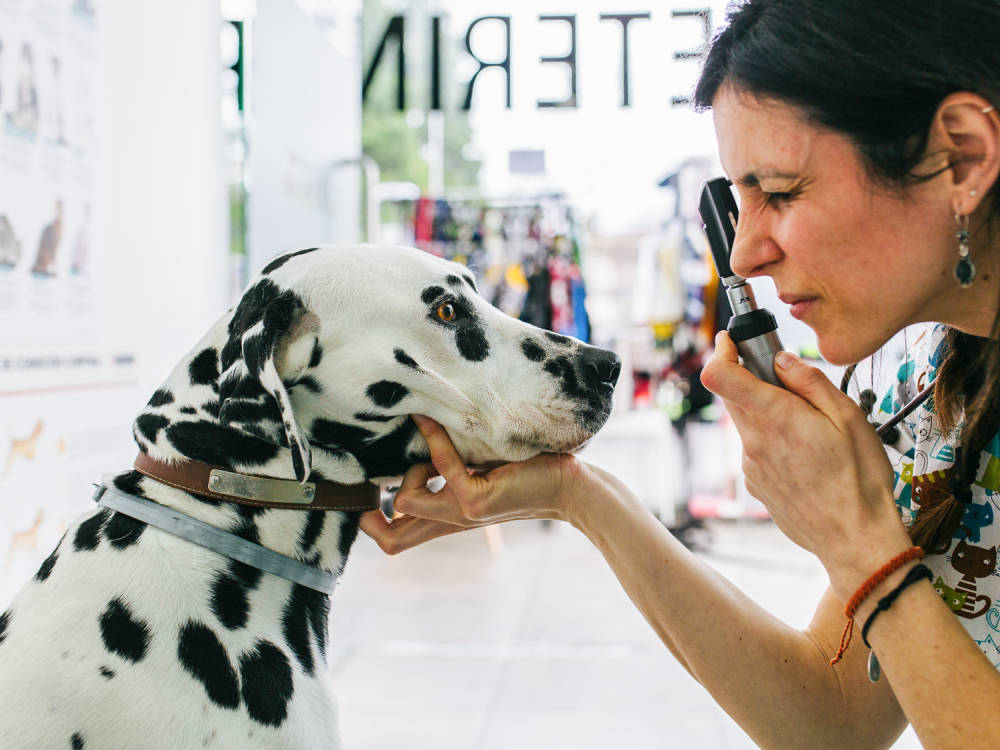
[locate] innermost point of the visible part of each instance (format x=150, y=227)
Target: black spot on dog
x=192, y=410
x=162, y=397
x=122, y=633
x=405, y=359
x=317, y=354
x=386, y=393
x=209, y=407
x=369, y=416
x=264, y=301
x=88, y=533
x=472, y=343
x=122, y=531
x=471, y=282
x=298, y=465
x=557, y=339
x=219, y=445
x=106, y=673
x=230, y=602
x=281, y=260
x=149, y=425
x=246, y=526
x=430, y=294
x=305, y=381
x=204, y=657
x=76, y=741
x=348, y=533
x=4, y=624
x=340, y=436
x=314, y=526
x=252, y=412
x=532, y=350
x=454, y=280
x=267, y=683
x=129, y=483
x=304, y=609
x=46, y=568
x=379, y=456
x=204, y=368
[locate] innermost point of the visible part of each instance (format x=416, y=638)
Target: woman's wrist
x=592, y=497
x=847, y=577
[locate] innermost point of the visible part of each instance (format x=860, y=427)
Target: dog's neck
x=186, y=418
x=243, y=431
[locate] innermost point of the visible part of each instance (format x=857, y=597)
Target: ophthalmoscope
x=754, y=330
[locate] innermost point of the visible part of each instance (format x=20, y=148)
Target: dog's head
x=331, y=349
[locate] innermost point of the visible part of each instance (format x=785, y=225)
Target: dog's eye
x=446, y=312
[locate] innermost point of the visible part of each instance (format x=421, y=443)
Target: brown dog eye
x=446, y=312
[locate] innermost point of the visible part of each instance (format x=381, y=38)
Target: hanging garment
x=578, y=293
x=537, y=303
x=423, y=221
x=560, y=296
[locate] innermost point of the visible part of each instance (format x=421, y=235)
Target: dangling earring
x=965, y=269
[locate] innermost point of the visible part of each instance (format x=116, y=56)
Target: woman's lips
x=799, y=306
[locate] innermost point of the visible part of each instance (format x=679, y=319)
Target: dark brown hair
x=876, y=72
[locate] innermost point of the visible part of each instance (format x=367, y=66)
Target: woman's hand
x=535, y=488
x=814, y=461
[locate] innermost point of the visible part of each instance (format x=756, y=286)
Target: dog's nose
x=600, y=366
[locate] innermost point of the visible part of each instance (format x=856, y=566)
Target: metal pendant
x=965, y=271
x=874, y=668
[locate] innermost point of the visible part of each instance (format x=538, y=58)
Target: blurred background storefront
x=155, y=153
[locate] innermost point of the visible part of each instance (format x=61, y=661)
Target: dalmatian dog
x=130, y=637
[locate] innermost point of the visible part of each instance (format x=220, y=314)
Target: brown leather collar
x=212, y=481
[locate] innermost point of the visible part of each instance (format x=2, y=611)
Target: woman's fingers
x=812, y=385
x=724, y=376
x=403, y=533
x=444, y=457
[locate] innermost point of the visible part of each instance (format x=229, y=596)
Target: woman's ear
x=967, y=127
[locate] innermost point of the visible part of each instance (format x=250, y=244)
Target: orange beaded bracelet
x=913, y=553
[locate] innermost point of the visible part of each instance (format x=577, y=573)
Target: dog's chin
x=521, y=448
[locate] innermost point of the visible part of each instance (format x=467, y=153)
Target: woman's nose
x=753, y=248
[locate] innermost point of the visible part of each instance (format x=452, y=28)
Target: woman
x=863, y=141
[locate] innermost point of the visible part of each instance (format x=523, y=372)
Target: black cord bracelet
x=916, y=573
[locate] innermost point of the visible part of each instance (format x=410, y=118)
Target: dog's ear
x=272, y=336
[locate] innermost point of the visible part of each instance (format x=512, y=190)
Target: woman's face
x=855, y=261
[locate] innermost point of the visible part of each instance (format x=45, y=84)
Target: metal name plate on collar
x=261, y=488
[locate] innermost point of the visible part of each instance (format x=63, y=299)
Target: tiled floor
x=452, y=647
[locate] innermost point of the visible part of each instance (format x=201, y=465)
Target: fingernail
x=784, y=360
x=420, y=419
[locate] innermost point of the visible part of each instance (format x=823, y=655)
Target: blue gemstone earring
x=965, y=269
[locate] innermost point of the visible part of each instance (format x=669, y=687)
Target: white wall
x=159, y=272
x=164, y=198
x=305, y=115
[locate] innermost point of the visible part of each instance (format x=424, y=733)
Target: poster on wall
x=57, y=375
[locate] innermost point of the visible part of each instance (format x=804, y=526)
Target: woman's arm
x=774, y=680
x=815, y=463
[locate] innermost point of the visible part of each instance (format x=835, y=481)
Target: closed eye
x=779, y=199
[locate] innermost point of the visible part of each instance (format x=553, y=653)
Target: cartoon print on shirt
x=933, y=487
x=990, y=479
x=993, y=619
x=921, y=461
x=975, y=517
x=973, y=562
x=906, y=477
x=990, y=649
x=954, y=599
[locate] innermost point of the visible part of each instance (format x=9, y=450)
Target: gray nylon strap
x=208, y=536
